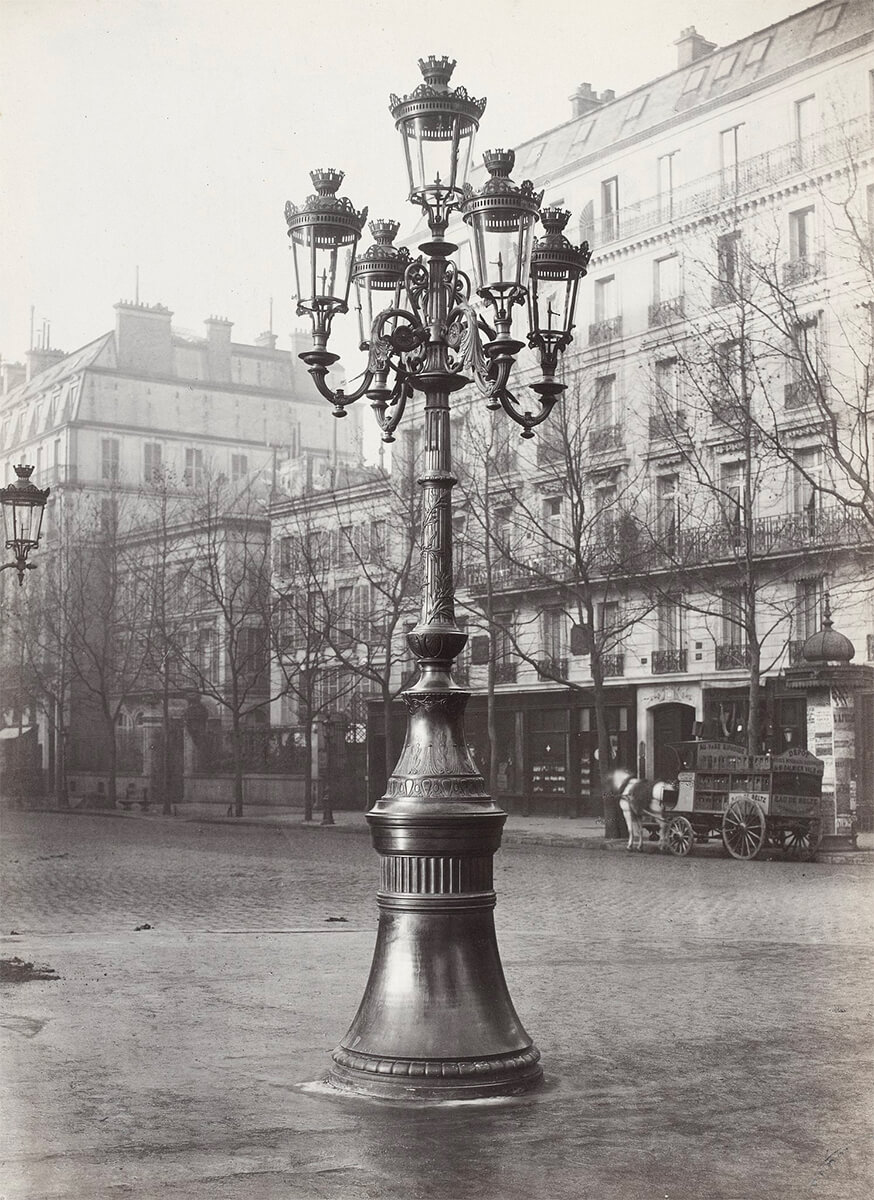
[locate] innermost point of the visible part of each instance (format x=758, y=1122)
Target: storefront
x=547, y=747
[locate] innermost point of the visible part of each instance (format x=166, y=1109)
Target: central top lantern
x=438, y=125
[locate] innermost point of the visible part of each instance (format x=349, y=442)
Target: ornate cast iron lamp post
x=23, y=506
x=436, y=1021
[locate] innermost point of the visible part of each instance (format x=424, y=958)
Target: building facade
x=684, y=512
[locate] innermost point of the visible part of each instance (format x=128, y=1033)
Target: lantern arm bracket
x=547, y=391
x=490, y=363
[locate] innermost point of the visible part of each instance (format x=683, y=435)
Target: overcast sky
x=169, y=133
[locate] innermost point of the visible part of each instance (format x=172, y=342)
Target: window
x=193, y=467
x=694, y=80
x=582, y=135
x=829, y=18
x=534, y=156
x=604, y=407
x=667, y=181
x=610, y=207
x=239, y=467
x=808, y=607
x=553, y=633
x=670, y=624
x=727, y=260
x=667, y=379
x=636, y=106
x=377, y=538
x=605, y=299
x=730, y=370
x=668, y=511
x=731, y=486
x=607, y=617
x=807, y=486
x=730, y=151
x=801, y=233
x=805, y=118
x=56, y=454
x=503, y=630
x=758, y=50
x=733, y=624
x=551, y=508
x=605, y=495
x=666, y=284
x=109, y=458
x=346, y=545
x=151, y=461
x=726, y=66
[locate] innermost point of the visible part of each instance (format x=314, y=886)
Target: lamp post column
x=436, y=1020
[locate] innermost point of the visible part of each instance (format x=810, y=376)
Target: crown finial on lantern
x=437, y=71
x=554, y=219
x=499, y=163
x=23, y=471
x=384, y=231
x=326, y=180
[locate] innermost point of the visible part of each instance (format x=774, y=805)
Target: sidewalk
x=583, y=833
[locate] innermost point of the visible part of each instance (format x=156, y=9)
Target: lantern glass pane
x=502, y=243
x=438, y=150
x=24, y=521
x=322, y=263
x=8, y=522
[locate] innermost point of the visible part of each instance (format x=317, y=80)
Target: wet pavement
x=705, y=1024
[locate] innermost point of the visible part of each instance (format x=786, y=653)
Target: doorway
x=671, y=723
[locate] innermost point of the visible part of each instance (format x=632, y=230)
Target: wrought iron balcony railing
x=505, y=672
x=707, y=192
x=613, y=664
x=665, y=426
x=802, y=270
x=798, y=394
x=664, y=312
x=608, y=437
x=722, y=293
x=605, y=331
x=550, y=666
x=668, y=662
x=731, y=656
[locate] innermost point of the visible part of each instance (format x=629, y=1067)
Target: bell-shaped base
x=436, y=1021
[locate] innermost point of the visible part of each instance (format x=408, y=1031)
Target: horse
x=639, y=798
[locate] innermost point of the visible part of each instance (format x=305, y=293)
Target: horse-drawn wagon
x=752, y=802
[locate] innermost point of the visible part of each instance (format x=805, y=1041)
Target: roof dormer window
x=726, y=66
x=828, y=19
x=636, y=106
x=694, y=80
x=758, y=50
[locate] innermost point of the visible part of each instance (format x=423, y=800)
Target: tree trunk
x=491, y=718
x=237, y=739
x=754, y=721
x=308, y=769
x=112, y=750
x=166, y=799
x=610, y=805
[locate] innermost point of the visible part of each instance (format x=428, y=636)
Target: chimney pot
x=691, y=46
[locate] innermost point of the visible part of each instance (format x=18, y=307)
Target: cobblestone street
x=705, y=1024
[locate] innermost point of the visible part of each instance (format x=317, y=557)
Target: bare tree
x=227, y=656
x=578, y=510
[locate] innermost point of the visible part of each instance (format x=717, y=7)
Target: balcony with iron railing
x=665, y=312
x=505, y=672
x=551, y=667
x=667, y=426
x=802, y=270
x=796, y=651
x=722, y=293
x=799, y=393
x=606, y=438
x=668, y=662
x=612, y=665
x=731, y=656
x=700, y=196
x=607, y=330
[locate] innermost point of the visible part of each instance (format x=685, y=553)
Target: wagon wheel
x=802, y=841
x=680, y=836
x=743, y=828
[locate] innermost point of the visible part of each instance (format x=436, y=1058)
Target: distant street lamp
x=436, y=1021
x=23, y=510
